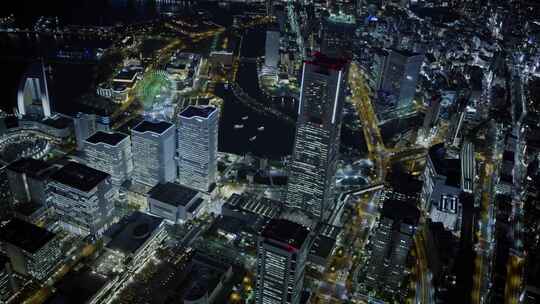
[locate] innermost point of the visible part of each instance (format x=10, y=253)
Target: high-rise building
x=391, y=244
x=432, y=115
x=32, y=250
x=316, y=147
x=28, y=180
x=271, y=54
x=6, y=279
x=399, y=77
x=110, y=153
x=337, y=35
x=198, y=147
x=33, y=93
x=86, y=124
x=83, y=199
x=153, y=146
x=282, y=249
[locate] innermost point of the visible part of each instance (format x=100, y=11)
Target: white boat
x=261, y=128
x=245, y=117
x=252, y=138
x=239, y=126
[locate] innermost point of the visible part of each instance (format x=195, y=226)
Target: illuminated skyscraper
x=153, y=149
x=110, y=153
x=399, y=77
x=391, y=244
x=198, y=147
x=316, y=147
x=282, y=250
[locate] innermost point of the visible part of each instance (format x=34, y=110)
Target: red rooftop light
x=320, y=59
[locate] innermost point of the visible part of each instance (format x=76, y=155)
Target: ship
x=261, y=128
x=245, y=117
x=252, y=138
x=239, y=126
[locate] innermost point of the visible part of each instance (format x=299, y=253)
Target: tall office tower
x=32, y=250
x=83, y=199
x=400, y=74
x=85, y=126
x=282, y=250
x=271, y=55
x=197, y=147
x=33, y=94
x=432, y=114
x=337, y=35
x=28, y=180
x=391, y=244
x=110, y=153
x=154, y=148
x=316, y=146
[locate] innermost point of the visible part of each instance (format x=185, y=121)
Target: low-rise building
x=175, y=202
x=136, y=237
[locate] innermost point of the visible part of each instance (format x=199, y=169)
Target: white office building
x=197, y=147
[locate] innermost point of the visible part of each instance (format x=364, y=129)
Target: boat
x=245, y=117
x=252, y=138
x=239, y=126
x=261, y=128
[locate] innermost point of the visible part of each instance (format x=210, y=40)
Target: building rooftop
x=323, y=61
x=157, y=127
x=30, y=166
x=401, y=211
x=197, y=111
x=77, y=286
x=57, y=122
x=79, y=176
x=111, y=139
x=126, y=75
x=172, y=194
x=131, y=232
x=24, y=235
x=287, y=232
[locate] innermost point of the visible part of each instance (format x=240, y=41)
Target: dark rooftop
x=287, y=232
x=59, y=122
x=30, y=166
x=3, y=261
x=79, y=176
x=401, y=211
x=451, y=168
x=153, y=126
x=77, y=287
x=27, y=209
x=132, y=231
x=323, y=246
x=111, y=139
x=203, y=112
x=24, y=235
x=172, y=194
